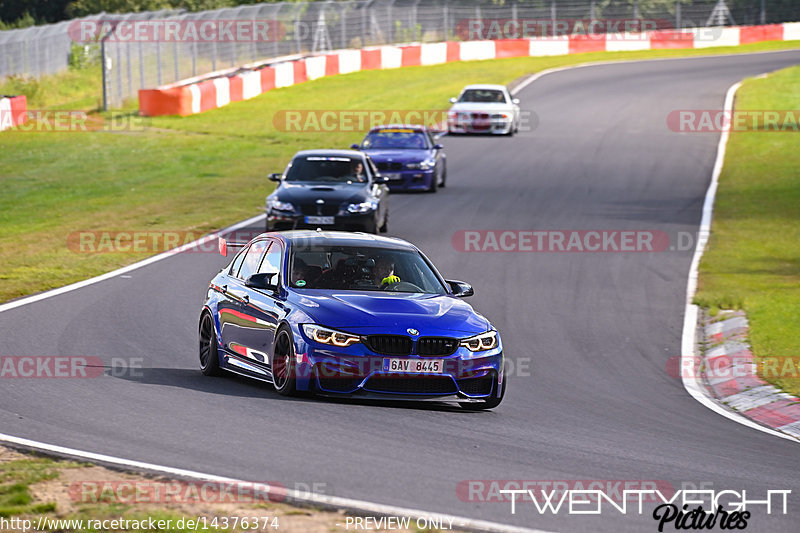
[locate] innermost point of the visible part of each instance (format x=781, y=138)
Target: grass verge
x=753, y=257
x=202, y=172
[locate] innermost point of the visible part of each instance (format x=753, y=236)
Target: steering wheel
x=401, y=286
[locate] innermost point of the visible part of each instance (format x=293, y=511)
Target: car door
x=247, y=317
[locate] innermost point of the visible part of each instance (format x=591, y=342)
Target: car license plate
x=394, y=177
x=319, y=220
x=414, y=366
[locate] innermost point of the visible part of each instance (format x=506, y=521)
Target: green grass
x=17, y=476
x=15, y=480
x=196, y=173
x=73, y=89
x=753, y=256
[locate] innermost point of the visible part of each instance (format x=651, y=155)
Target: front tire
x=284, y=374
x=434, y=184
x=209, y=353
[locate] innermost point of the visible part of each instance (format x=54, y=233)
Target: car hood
x=329, y=192
x=490, y=107
x=381, y=155
x=364, y=312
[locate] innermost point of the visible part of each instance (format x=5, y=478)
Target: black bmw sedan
x=329, y=189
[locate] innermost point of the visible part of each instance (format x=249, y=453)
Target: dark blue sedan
x=346, y=314
x=407, y=156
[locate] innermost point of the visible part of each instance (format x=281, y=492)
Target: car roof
x=330, y=152
x=312, y=238
x=415, y=127
x=486, y=86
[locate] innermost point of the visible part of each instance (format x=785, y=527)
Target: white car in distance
x=484, y=109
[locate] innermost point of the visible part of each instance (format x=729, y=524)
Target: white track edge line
x=692, y=383
x=292, y=495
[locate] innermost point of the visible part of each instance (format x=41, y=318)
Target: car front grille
x=480, y=115
x=385, y=165
x=481, y=386
x=436, y=345
x=325, y=210
x=411, y=385
x=389, y=344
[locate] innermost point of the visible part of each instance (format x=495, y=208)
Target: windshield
x=396, y=138
x=327, y=169
x=363, y=269
x=483, y=96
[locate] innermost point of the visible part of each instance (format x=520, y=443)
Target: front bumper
x=410, y=180
x=355, y=371
x=490, y=124
x=277, y=220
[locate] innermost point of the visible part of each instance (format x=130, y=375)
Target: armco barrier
x=221, y=88
x=13, y=111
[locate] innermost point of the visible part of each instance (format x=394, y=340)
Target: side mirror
x=275, y=177
x=515, y=101
x=355, y=146
x=453, y=100
x=379, y=178
x=262, y=280
x=438, y=146
x=460, y=289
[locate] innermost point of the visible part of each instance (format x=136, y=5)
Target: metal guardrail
x=306, y=27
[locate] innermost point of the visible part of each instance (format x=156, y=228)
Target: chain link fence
x=155, y=57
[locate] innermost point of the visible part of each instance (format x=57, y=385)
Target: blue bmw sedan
x=348, y=314
x=407, y=156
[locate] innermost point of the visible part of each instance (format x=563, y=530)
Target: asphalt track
x=597, y=328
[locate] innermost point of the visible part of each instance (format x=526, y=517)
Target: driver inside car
x=384, y=272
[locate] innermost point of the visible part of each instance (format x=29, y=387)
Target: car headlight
x=424, y=165
x=363, y=207
x=277, y=205
x=480, y=343
x=329, y=336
